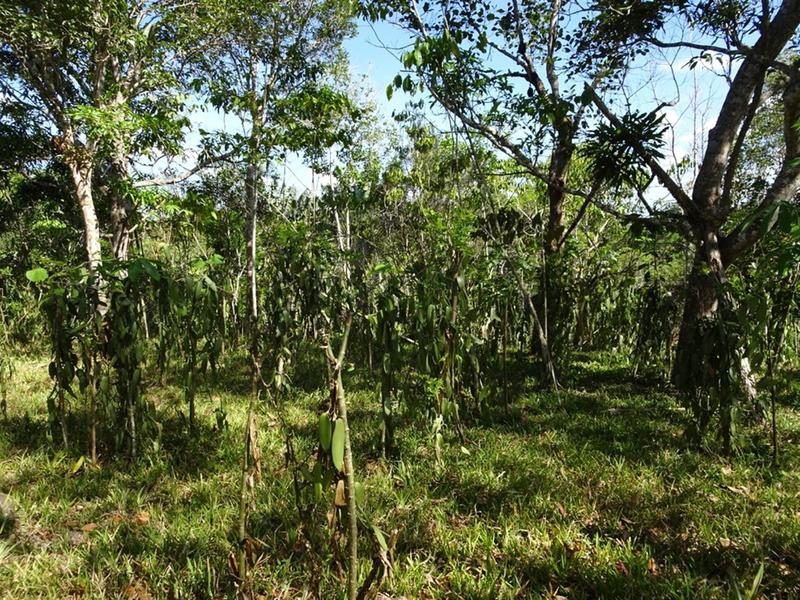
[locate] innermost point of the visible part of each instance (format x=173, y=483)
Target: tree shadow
x=635, y=431
x=189, y=455
x=22, y=433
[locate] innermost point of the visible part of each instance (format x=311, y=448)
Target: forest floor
x=595, y=495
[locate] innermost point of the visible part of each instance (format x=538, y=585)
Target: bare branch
x=142, y=183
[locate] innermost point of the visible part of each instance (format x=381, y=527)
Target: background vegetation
x=513, y=347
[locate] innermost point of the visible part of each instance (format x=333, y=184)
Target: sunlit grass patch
x=595, y=495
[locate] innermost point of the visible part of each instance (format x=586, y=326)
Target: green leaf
x=380, y=538
x=389, y=91
x=37, y=275
x=209, y=283
x=337, y=445
x=76, y=466
x=359, y=489
x=317, y=491
x=104, y=384
x=756, y=583
x=325, y=431
x=151, y=270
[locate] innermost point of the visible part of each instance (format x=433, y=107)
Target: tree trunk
x=559, y=166
x=537, y=329
x=82, y=181
x=707, y=355
x=251, y=191
x=548, y=297
x=121, y=210
x=694, y=365
x=701, y=302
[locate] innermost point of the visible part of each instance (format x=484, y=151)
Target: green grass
x=593, y=496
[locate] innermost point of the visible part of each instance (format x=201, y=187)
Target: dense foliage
x=521, y=212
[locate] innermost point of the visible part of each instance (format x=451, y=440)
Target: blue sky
x=378, y=66
x=367, y=58
x=695, y=96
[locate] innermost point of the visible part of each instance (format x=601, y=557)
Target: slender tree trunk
x=251, y=191
x=6, y=366
x=548, y=298
x=335, y=364
x=544, y=346
x=145, y=326
x=82, y=182
x=131, y=416
x=250, y=458
x=255, y=159
x=62, y=415
x=387, y=386
x=506, y=399
x=537, y=329
x=93, y=425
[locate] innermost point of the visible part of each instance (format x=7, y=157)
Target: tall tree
x=266, y=64
x=723, y=221
x=499, y=68
x=94, y=74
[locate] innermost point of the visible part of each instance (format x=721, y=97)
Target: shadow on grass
x=471, y=495
x=636, y=430
x=689, y=574
x=187, y=454
x=22, y=433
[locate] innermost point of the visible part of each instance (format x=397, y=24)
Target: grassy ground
x=595, y=496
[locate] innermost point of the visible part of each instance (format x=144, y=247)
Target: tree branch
x=734, y=108
x=677, y=192
x=785, y=186
x=142, y=183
